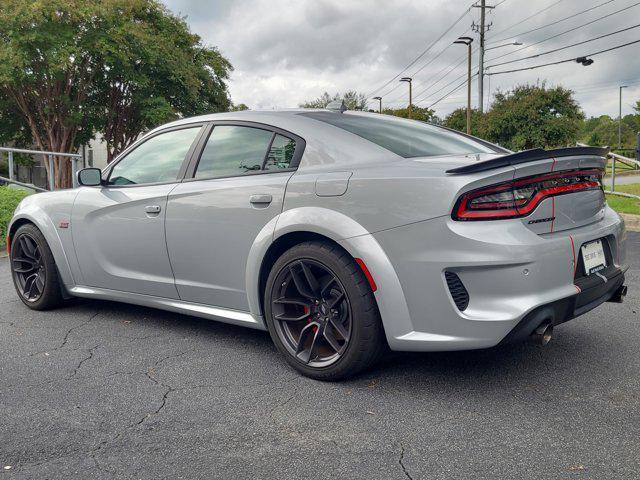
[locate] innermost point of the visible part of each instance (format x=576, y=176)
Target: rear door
x=234, y=188
x=118, y=228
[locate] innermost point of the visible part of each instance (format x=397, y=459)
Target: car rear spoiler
x=530, y=156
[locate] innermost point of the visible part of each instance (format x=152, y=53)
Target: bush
x=9, y=199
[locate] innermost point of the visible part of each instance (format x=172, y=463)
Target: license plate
x=593, y=257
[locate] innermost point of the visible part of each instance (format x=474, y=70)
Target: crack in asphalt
x=400, y=461
x=85, y=359
x=67, y=335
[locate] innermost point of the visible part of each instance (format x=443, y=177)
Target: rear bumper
x=509, y=273
x=596, y=291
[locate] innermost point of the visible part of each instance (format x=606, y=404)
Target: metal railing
x=74, y=157
x=614, y=157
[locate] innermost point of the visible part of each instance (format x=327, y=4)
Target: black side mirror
x=90, y=177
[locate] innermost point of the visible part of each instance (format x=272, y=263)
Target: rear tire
x=321, y=312
x=34, y=271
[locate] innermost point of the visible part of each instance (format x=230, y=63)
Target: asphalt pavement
x=107, y=390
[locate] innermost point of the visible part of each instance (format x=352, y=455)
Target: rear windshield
x=404, y=138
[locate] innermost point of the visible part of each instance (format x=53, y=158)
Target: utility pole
x=380, y=100
x=409, y=80
x=481, y=29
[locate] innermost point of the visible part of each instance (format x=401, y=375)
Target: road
x=104, y=390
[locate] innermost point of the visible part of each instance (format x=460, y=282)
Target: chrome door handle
x=152, y=209
x=261, y=199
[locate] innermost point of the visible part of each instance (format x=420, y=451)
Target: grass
x=623, y=204
x=9, y=199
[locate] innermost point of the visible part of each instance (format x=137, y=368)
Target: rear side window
x=280, y=154
x=233, y=150
x=405, y=138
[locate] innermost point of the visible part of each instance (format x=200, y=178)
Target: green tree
x=73, y=67
x=531, y=116
x=352, y=99
x=238, y=108
x=457, y=120
x=417, y=113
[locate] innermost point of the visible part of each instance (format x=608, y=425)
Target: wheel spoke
x=40, y=283
x=300, y=284
x=332, y=341
x=19, y=265
x=312, y=281
x=325, y=289
x=336, y=300
x=29, y=284
x=27, y=247
x=339, y=327
x=305, y=354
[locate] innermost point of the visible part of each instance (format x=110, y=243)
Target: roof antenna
x=337, y=106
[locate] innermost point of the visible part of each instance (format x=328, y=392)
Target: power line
x=451, y=91
x=564, y=61
x=564, y=33
x=554, y=23
x=564, y=48
x=423, y=52
x=529, y=17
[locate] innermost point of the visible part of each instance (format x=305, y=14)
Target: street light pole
x=467, y=41
x=409, y=80
x=380, y=100
x=620, y=117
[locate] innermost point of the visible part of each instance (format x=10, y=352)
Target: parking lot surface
x=107, y=390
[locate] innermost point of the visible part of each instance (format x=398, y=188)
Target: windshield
x=405, y=138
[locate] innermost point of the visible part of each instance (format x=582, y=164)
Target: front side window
x=405, y=138
x=156, y=160
x=233, y=150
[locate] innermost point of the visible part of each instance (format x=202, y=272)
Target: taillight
x=520, y=197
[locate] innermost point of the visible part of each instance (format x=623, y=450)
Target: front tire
x=321, y=312
x=33, y=269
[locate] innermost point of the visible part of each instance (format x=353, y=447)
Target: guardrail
x=26, y=185
x=74, y=157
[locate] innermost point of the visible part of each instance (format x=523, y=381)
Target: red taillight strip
x=463, y=212
x=8, y=245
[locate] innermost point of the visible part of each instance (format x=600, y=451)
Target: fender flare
x=43, y=222
x=355, y=239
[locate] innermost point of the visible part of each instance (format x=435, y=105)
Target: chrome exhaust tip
x=543, y=334
x=618, y=296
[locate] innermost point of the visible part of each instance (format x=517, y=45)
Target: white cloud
x=285, y=52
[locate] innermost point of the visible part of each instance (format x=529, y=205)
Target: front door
x=118, y=229
x=214, y=218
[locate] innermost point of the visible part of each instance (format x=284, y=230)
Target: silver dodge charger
x=340, y=233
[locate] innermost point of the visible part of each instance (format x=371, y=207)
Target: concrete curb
x=632, y=222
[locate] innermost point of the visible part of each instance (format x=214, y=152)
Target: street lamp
x=409, y=80
x=504, y=45
x=467, y=41
x=380, y=100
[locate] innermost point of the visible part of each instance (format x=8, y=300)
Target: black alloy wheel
x=321, y=312
x=28, y=267
x=34, y=270
x=312, y=313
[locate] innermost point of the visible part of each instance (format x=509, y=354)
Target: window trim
x=106, y=173
x=204, y=138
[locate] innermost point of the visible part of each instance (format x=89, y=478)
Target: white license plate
x=593, y=257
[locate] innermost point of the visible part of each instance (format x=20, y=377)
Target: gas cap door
x=332, y=184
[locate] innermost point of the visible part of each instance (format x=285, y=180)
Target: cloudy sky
x=288, y=51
